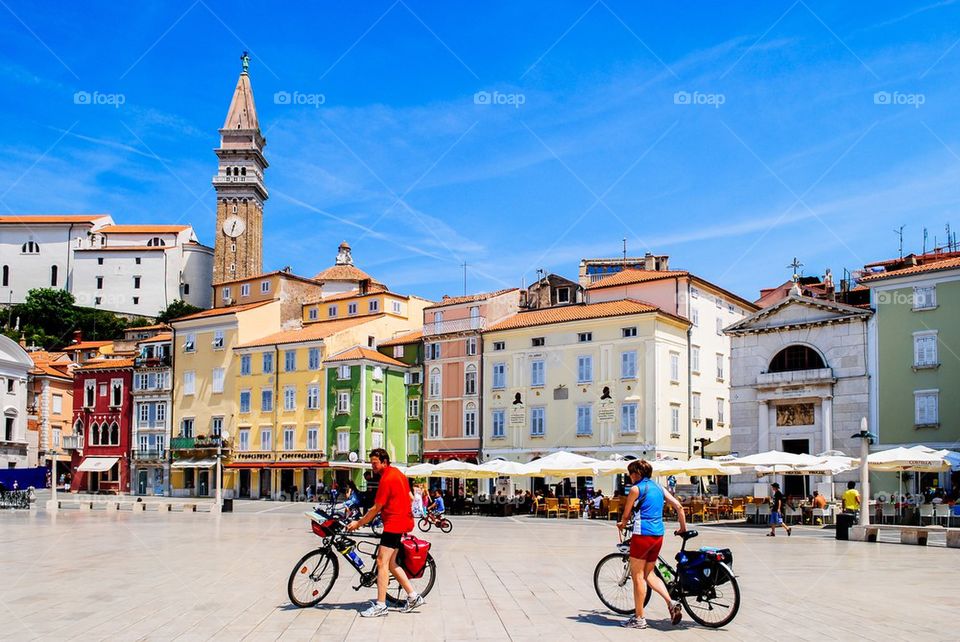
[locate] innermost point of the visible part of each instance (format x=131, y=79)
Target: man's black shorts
x=390, y=540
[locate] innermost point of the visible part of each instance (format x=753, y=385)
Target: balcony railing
x=144, y=455
x=152, y=362
x=71, y=442
x=794, y=377
x=188, y=443
x=455, y=325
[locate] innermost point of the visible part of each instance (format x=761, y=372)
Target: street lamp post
x=219, y=499
x=865, y=440
x=53, y=505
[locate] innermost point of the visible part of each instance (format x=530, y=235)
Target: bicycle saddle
x=688, y=535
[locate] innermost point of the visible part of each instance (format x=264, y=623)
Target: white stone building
x=152, y=409
x=15, y=363
x=799, y=384
x=141, y=269
x=38, y=251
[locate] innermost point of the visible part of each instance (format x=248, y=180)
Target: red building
x=102, y=414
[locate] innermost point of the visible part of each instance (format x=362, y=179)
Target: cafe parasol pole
x=865, y=440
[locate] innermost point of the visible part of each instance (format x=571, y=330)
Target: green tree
x=175, y=310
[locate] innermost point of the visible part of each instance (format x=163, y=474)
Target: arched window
x=435, y=382
x=114, y=434
x=433, y=422
x=796, y=357
x=243, y=171
x=156, y=241
x=78, y=432
x=236, y=171
x=53, y=276
x=94, y=434
x=470, y=380
x=470, y=420
x=30, y=247
x=6, y=275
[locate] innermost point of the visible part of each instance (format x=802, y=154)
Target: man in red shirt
x=393, y=499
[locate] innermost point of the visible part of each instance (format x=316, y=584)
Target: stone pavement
x=189, y=576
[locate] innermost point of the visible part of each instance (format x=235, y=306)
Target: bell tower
x=238, y=248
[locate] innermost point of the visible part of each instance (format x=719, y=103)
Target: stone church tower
x=238, y=249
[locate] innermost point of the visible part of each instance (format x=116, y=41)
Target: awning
x=718, y=447
x=276, y=464
x=450, y=454
x=194, y=463
x=97, y=464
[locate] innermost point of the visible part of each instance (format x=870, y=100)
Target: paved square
x=193, y=576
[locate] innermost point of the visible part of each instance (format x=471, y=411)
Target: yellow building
x=281, y=435
x=205, y=375
x=597, y=379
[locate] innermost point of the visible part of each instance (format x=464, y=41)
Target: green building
x=366, y=408
x=408, y=349
x=915, y=366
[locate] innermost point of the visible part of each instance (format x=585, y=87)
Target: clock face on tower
x=233, y=226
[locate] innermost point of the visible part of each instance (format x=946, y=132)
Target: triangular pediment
x=795, y=311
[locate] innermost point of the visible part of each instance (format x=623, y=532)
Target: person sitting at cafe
x=818, y=501
x=596, y=503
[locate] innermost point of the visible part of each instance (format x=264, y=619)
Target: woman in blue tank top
x=645, y=503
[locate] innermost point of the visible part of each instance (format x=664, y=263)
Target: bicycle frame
x=339, y=542
x=674, y=587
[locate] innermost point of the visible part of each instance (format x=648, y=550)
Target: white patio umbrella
x=561, y=464
x=915, y=459
x=502, y=468
x=459, y=469
x=775, y=461
x=696, y=466
x=420, y=470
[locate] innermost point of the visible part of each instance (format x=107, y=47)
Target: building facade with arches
x=15, y=363
x=799, y=383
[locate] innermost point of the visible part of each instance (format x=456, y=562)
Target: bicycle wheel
x=424, y=524
x=313, y=577
x=422, y=585
x=445, y=525
x=611, y=580
x=716, y=605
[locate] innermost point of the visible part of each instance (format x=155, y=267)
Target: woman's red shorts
x=646, y=547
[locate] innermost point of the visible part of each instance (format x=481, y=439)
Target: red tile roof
x=58, y=219
x=343, y=273
x=215, y=312
x=358, y=353
x=106, y=364
x=86, y=345
x=160, y=336
x=127, y=248
x=313, y=332
x=933, y=266
x=578, y=312
x=404, y=339
x=260, y=277
x=454, y=300
x=630, y=275
x=143, y=229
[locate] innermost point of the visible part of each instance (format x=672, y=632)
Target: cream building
x=597, y=379
x=706, y=350
x=15, y=363
x=205, y=379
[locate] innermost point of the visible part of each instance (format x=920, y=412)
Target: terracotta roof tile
x=86, y=345
x=58, y=219
x=215, y=312
x=933, y=266
x=629, y=276
x=127, y=248
x=579, y=312
x=155, y=326
x=161, y=336
x=454, y=300
x=342, y=273
x=313, y=332
x=46, y=368
x=143, y=229
x=281, y=273
x=106, y=364
x=404, y=339
x=357, y=353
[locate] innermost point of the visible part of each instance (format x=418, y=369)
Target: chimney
x=23, y=341
x=649, y=261
x=77, y=336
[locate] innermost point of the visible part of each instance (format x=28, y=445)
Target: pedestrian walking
x=777, y=505
x=393, y=500
x=645, y=504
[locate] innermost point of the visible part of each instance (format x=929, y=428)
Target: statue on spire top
x=245, y=61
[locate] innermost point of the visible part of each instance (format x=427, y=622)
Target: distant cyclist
x=437, y=507
x=353, y=500
x=645, y=504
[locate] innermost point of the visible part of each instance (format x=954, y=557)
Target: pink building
x=452, y=371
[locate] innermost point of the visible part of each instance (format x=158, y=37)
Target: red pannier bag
x=413, y=555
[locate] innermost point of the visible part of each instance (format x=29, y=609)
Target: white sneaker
x=375, y=610
x=413, y=603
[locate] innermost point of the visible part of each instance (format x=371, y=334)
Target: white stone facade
x=15, y=363
x=793, y=407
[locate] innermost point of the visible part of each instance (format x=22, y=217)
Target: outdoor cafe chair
x=736, y=508
x=792, y=515
x=750, y=512
x=698, y=508
x=613, y=508
x=573, y=508
x=926, y=511
x=888, y=510
x=763, y=513
x=553, y=506
x=825, y=515
x=942, y=511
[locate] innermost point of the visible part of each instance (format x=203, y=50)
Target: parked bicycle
x=314, y=575
x=438, y=519
x=703, y=582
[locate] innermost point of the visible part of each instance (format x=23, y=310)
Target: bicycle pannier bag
x=413, y=555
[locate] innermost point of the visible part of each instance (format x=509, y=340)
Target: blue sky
x=776, y=145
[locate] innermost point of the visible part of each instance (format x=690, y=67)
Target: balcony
x=193, y=443
x=152, y=362
x=795, y=377
x=71, y=442
x=149, y=455
x=455, y=325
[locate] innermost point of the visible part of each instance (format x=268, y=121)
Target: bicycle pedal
x=357, y=587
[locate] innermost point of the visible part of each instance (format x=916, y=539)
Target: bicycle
x=431, y=518
x=356, y=512
x=703, y=582
x=315, y=574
